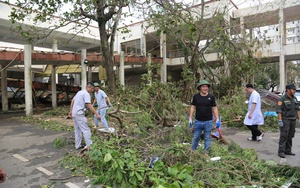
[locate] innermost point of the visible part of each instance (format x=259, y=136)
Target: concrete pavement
x=267, y=149
x=30, y=160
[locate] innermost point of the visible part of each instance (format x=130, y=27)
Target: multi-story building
x=143, y=40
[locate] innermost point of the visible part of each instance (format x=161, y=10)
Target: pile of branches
x=144, y=152
x=161, y=157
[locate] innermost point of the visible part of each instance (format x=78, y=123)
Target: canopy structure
x=73, y=69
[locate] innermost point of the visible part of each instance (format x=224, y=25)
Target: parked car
x=297, y=94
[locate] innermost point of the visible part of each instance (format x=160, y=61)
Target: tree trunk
x=108, y=60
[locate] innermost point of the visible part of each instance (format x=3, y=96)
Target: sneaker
x=259, y=138
x=251, y=139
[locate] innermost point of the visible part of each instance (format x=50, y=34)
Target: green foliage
x=59, y=142
x=193, y=36
x=124, y=162
x=271, y=124
x=267, y=76
x=61, y=111
x=233, y=105
x=123, y=159
x=46, y=124
x=155, y=102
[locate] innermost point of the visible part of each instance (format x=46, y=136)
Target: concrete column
x=77, y=79
x=83, y=69
x=4, y=94
x=282, y=66
x=122, y=70
x=143, y=41
x=53, y=86
x=242, y=33
x=149, y=69
x=27, y=79
x=54, y=45
x=242, y=26
x=55, y=49
x=54, y=76
x=296, y=81
x=163, y=54
x=90, y=73
x=251, y=34
x=227, y=18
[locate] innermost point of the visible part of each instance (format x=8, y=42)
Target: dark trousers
x=287, y=133
x=254, y=130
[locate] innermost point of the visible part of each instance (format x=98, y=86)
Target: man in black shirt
x=205, y=106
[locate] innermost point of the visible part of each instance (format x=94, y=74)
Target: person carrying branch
x=101, y=99
x=80, y=100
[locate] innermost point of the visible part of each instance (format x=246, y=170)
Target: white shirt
x=257, y=117
x=100, y=97
x=81, y=98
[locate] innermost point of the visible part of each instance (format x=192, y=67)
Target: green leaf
x=139, y=177
x=107, y=157
x=127, y=155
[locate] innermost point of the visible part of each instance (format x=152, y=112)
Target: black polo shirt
x=204, y=106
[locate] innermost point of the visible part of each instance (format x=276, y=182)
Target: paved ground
x=28, y=157
x=267, y=149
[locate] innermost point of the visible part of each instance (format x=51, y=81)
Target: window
x=291, y=30
x=291, y=39
x=131, y=47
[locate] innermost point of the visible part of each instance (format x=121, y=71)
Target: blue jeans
x=206, y=127
x=102, y=113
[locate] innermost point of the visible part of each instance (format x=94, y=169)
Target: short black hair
x=90, y=84
x=249, y=86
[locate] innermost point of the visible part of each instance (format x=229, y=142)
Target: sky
x=137, y=17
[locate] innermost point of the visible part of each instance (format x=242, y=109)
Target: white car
x=297, y=94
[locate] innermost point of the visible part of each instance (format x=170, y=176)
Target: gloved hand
x=218, y=123
x=190, y=122
x=110, y=105
x=280, y=123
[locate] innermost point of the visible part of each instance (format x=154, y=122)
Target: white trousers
x=81, y=127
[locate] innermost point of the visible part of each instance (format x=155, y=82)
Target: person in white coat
x=254, y=116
